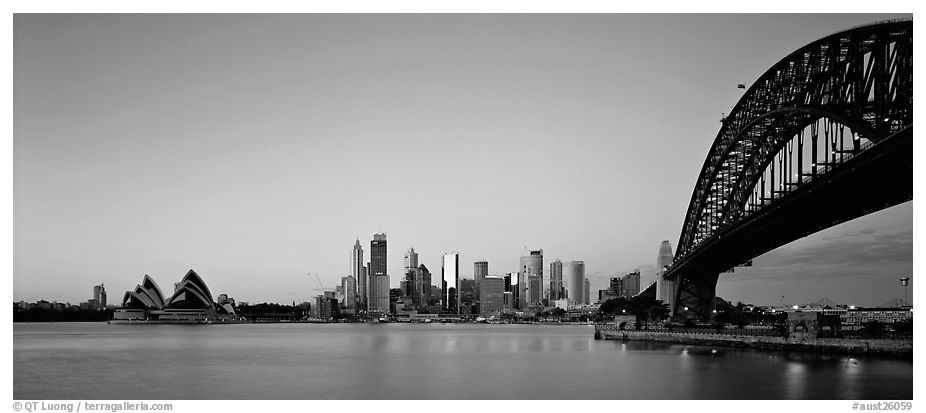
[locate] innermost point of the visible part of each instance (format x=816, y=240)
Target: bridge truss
x=807, y=116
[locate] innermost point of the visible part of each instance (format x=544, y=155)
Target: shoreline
x=882, y=347
x=310, y=321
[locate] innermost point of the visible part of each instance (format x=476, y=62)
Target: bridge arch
x=808, y=116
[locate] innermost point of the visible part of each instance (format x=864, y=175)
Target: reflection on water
x=436, y=361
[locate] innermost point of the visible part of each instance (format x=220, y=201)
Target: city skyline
x=250, y=180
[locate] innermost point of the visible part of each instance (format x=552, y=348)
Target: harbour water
x=418, y=361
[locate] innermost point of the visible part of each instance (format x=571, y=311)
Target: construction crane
x=321, y=287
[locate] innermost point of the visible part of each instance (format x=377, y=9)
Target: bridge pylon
x=694, y=297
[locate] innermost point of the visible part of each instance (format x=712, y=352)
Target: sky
x=256, y=148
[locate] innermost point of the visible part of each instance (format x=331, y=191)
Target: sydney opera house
x=190, y=302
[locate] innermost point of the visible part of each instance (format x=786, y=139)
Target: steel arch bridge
x=822, y=137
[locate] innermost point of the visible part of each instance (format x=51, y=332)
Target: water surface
x=418, y=361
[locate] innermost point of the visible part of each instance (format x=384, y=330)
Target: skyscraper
x=557, y=291
x=662, y=260
x=421, y=291
x=411, y=260
x=467, y=295
x=365, y=283
x=379, y=294
x=492, y=293
x=359, y=274
x=588, y=289
x=534, y=289
x=99, y=294
x=531, y=264
x=411, y=266
x=632, y=284
x=450, y=283
x=617, y=286
x=349, y=286
x=480, y=271
x=379, y=278
x=512, y=290
x=575, y=271
x=378, y=255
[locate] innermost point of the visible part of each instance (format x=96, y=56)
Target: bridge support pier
x=667, y=292
x=694, y=297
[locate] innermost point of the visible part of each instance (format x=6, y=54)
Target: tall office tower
x=480, y=271
x=492, y=293
x=322, y=307
x=450, y=283
x=575, y=273
x=662, y=260
x=511, y=290
x=530, y=265
x=379, y=294
x=617, y=286
x=588, y=290
x=378, y=277
x=99, y=294
x=556, y=281
x=422, y=286
x=349, y=286
x=632, y=284
x=411, y=266
x=364, y=298
x=411, y=260
x=357, y=270
x=467, y=296
x=534, y=290
x=405, y=285
x=378, y=255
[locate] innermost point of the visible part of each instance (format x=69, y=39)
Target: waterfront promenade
x=743, y=339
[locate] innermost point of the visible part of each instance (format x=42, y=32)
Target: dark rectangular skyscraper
x=632, y=284
x=407, y=285
x=422, y=286
x=378, y=255
x=480, y=271
x=378, y=277
x=557, y=291
x=493, y=295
